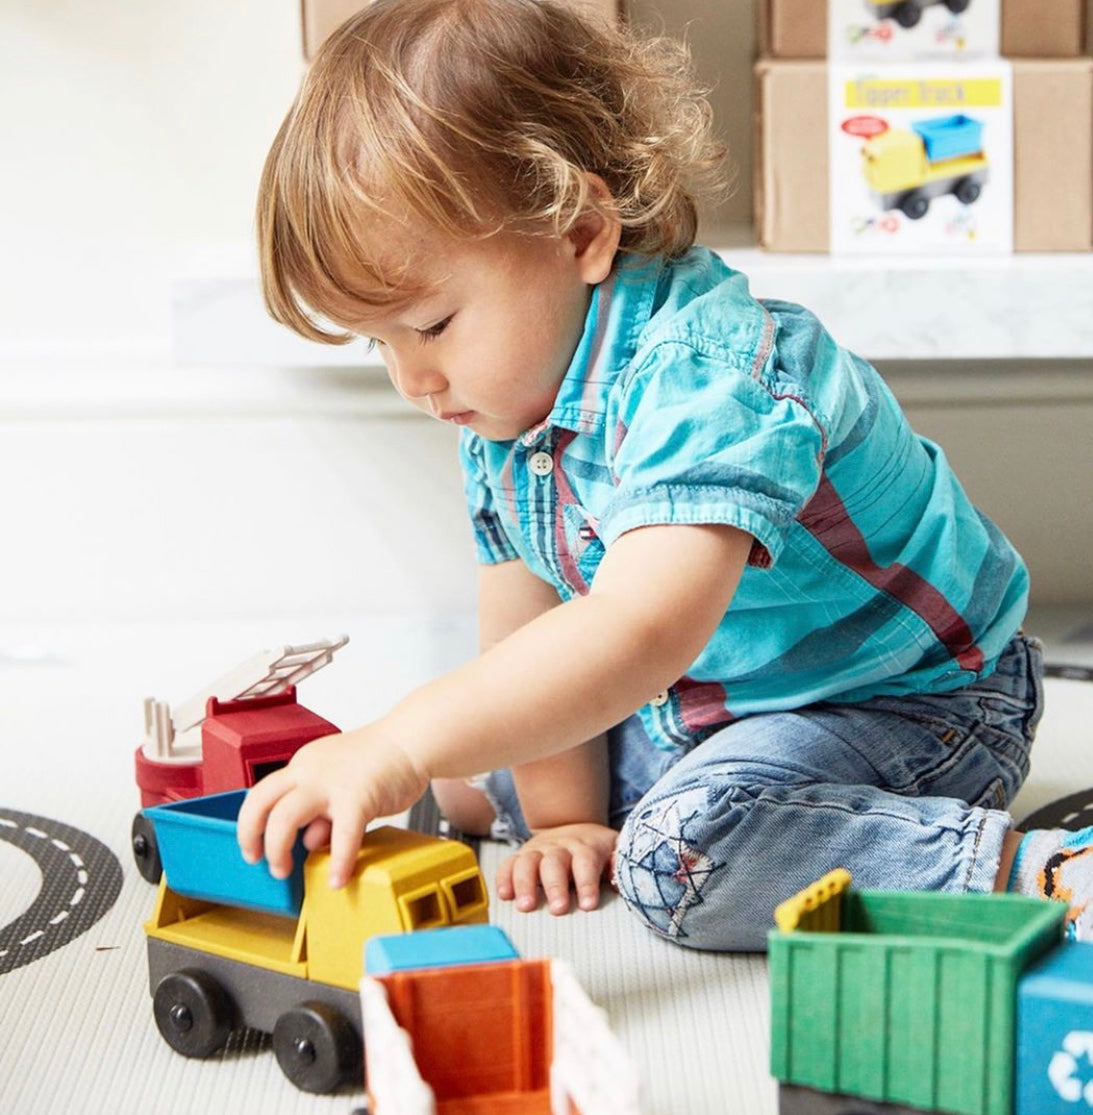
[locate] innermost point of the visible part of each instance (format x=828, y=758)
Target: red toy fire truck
x=226, y=737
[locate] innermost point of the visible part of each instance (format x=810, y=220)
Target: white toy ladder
x=169, y=733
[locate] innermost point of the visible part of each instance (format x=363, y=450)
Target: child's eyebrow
x=403, y=315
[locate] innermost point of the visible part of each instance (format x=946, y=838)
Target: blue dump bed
x=201, y=857
x=950, y=137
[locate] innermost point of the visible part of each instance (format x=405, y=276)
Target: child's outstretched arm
x=572, y=785
x=557, y=681
x=563, y=797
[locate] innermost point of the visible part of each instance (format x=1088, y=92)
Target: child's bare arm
x=566, y=788
x=568, y=675
x=564, y=800
x=563, y=797
x=561, y=789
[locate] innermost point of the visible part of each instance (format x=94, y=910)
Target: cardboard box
x=320, y=17
x=1030, y=28
x=1053, y=155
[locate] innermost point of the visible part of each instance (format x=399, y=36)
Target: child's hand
x=554, y=859
x=332, y=787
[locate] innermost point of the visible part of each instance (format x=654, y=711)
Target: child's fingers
x=289, y=814
x=253, y=814
x=556, y=869
x=525, y=879
x=503, y=880
x=587, y=870
x=346, y=830
x=317, y=834
x=554, y=877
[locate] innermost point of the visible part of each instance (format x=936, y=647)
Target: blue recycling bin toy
x=1054, y=1060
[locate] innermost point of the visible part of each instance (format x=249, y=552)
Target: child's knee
x=683, y=887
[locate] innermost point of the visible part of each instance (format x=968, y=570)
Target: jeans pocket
x=994, y=796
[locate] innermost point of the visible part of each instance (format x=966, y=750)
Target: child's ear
x=594, y=236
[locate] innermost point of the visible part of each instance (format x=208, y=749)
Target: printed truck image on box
x=907, y=13
x=907, y=31
x=907, y=169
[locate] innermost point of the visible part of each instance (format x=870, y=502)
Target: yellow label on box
x=884, y=93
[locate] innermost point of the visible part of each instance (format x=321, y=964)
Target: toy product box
x=1052, y=155
x=1028, y=29
x=320, y=17
x=920, y=158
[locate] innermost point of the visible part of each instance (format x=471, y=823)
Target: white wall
x=133, y=136
x=133, y=132
x=721, y=34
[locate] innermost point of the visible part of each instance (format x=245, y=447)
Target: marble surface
x=1024, y=306
x=1033, y=306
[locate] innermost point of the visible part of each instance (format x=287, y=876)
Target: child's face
x=490, y=342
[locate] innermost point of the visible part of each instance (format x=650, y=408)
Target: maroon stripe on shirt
x=566, y=561
x=827, y=520
x=701, y=703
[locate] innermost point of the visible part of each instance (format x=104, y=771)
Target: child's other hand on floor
x=556, y=861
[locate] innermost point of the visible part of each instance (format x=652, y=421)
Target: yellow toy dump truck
x=906, y=170
x=230, y=947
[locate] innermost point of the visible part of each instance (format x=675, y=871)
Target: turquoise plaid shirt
x=689, y=401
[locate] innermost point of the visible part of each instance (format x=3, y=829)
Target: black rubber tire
x=318, y=1048
x=146, y=849
x=914, y=206
x=193, y=1012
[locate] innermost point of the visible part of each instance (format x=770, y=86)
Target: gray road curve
x=81, y=880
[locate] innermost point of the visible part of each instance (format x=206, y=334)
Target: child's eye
x=431, y=332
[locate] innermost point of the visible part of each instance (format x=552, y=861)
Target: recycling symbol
x=1063, y=1068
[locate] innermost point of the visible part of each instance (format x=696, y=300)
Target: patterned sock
x=1057, y=864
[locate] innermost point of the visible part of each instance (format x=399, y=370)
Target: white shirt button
x=542, y=464
x=660, y=699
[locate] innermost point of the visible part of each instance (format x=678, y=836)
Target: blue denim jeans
x=908, y=793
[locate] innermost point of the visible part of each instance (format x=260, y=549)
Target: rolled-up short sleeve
x=492, y=544
x=704, y=437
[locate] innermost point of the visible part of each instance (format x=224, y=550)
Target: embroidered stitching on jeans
x=665, y=874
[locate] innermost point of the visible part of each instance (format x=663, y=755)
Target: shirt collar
x=617, y=315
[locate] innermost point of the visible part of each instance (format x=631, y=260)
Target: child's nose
x=417, y=378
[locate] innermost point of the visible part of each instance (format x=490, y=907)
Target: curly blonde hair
x=474, y=117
